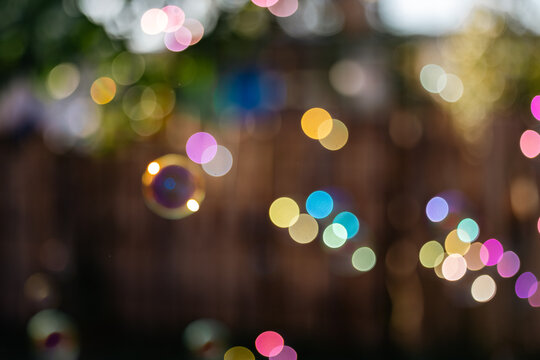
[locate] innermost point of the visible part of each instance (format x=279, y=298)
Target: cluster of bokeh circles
x=529, y=142
x=173, y=185
x=436, y=80
x=461, y=252
x=180, y=33
x=279, y=8
x=269, y=344
x=318, y=124
x=303, y=228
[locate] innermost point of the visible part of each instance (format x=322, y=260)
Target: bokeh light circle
x=63, y=80
x=196, y=29
x=284, y=212
x=529, y=143
x=287, y=353
x=454, y=245
x=264, y=3
x=201, y=147
x=526, y=285
x=483, y=288
x=454, y=267
x=364, y=259
x=468, y=230
x=474, y=262
x=347, y=77
x=239, y=353
x=221, y=164
x=175, y=18
x=433, y=78
x=334, y=236
x=509, y=264
x=431, y=254
x=349, y=221
x=336, y=138
x=534, y=299
x=437, y=209
x=304, y=229
x=491, y=252
x=103, y=90
x=319, y=204
x=269, y=343
x=284, y=8
x=176, y=182
x=453, y=89
x=154, y=21
x=312, y=121
x=535, y=107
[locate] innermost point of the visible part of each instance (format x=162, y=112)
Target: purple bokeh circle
x=508, y=266
x=287, y=353
x=201, y=147
x=526, y=285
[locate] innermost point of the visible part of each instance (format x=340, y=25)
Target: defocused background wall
x=76, y=236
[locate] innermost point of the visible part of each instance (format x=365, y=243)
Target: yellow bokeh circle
x=284, y=212
x=312, y=121
x=103, y=90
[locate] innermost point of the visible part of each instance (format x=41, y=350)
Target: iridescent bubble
x=491, y=252
x=454, y=267
x=287, y=353
x=53, y=334
x=349, y=221
x=530, y=143
x=433, y=78
x=284, y=8
x=63, y=80
x=103, y=90
x=437, y=209
x=196, y=29
x=535, y=107
x=221, y=164
x=312, y=121
x=201, y=147
x=336, y=138
x=364, y=259
x=264, y=3
x=431, y=254
x=304, y=229
x=206, y=338
x=509, y=264
x=472, y=257
x=468, y=230
x=269, y=343
x=154, y=21
x=526, y=285
x=238, y=353
x=454, y=245
x=319, y=204
x=177, y=184
x=175, y=18
x=334, y=236
x=483, y=288
x=284, y=212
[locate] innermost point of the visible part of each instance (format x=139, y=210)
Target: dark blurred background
x=77, y=239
